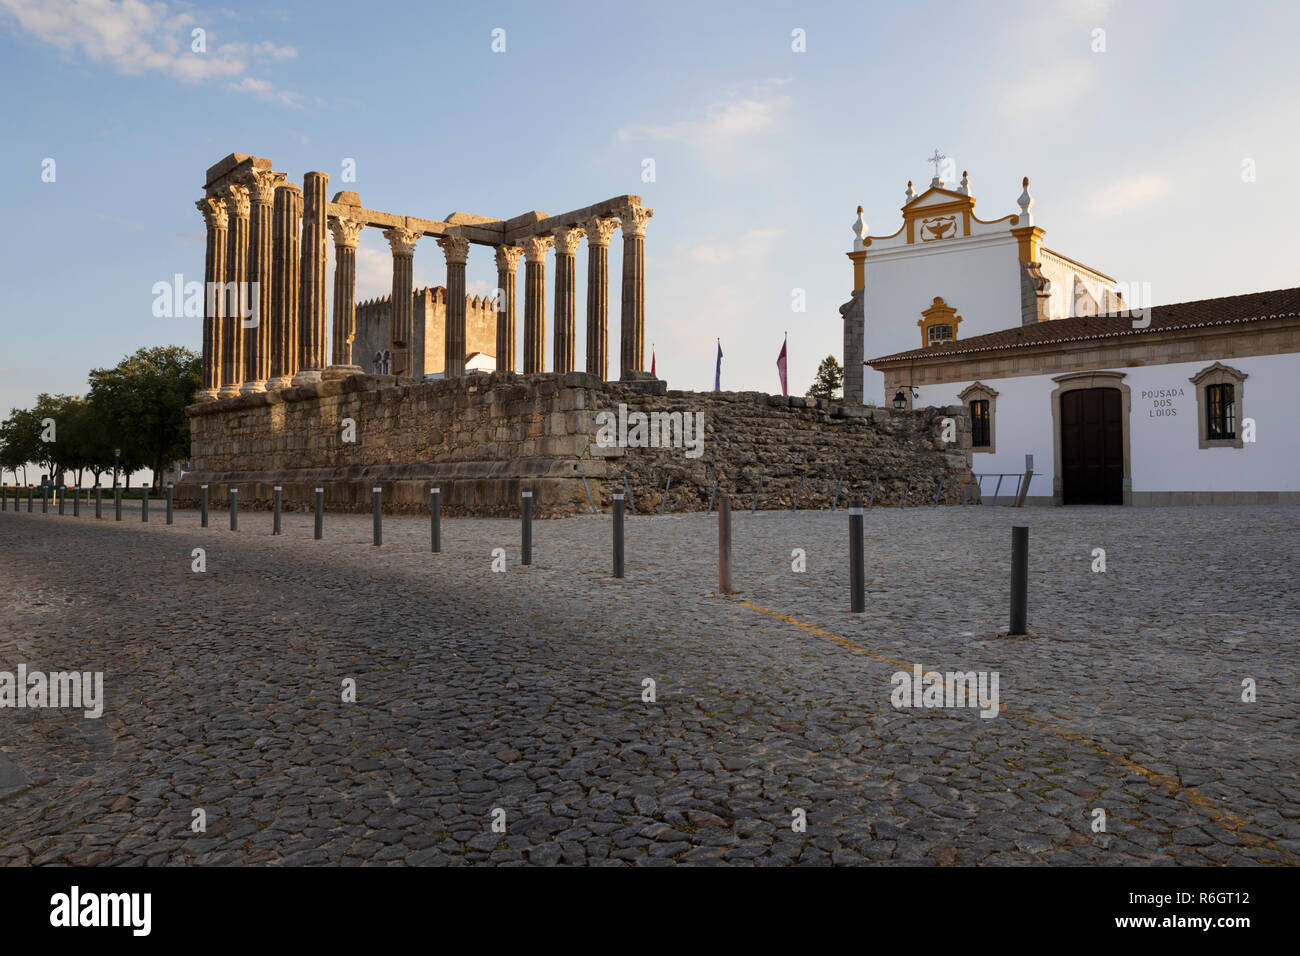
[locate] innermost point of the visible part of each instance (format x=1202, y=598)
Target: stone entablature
x=485, y=438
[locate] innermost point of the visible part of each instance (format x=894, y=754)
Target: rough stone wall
x=484, y=438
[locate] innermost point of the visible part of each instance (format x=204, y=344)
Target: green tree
x=20, y=436
x=829, y=380
x=142, y=401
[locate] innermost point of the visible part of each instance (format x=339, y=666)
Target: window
x=1220, y=404
x=1220, y=422
x=938, y=323
x=982, y=402
x=979, y=423
x=940, y=333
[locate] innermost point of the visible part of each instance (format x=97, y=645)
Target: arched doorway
x=1090, y=412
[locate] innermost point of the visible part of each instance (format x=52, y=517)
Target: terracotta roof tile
x=1229, y=310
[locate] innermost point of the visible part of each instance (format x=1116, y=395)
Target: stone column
x=507, y=264
x=214, y=271
x=286, y=281
x=566, y=299
x=346, y=233
x=232, y=321
x=598, y=234
x=632, y=344
x=401, y=325
x=456, y=249
x=535, y=303
x=311, y=301
x=257, y=337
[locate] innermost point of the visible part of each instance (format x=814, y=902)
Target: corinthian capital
x=455, y=248
x=261, y=185
x=402, y=240
x=599, y=230
x=237, y=201
x=633, y=220
x=567, y=239
x=214, y=212
x=346, y=232
x=508, y=258
x=535, y=248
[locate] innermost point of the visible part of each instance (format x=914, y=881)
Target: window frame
x=979, y=392
x=1204, y=380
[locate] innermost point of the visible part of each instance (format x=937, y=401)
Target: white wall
x=980, y=278
x=1163, y=447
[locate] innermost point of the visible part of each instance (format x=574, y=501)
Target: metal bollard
x=117, y=504
x=618, y=534
x=99, y=513
x=29, y=499
x=528, y=529
x=857, y=571
x=1019, y=580
x=320, y=513
x=203, y=506
x=435, y=519
x=275, y=520
x=171, y=490
x=144, y=503
x=45, y=499
x=76, y=503
x=4, y=496
x=234, y=509
x=62, y=495
x=724, y=545
x=379, y=514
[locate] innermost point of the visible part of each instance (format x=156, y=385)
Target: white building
x=1187, y=403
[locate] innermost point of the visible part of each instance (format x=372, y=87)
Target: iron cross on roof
x=937, y=158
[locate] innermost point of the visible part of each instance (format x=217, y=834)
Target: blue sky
x=761, y=153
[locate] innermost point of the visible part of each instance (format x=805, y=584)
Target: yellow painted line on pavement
x=1171, y=785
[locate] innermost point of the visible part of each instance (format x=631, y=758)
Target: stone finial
x=346, y=232
x=455, y=248
x=535, y=248
x=964, y=188
x=214, y=212
x=633, y=220
x=262, y=184
x=599, y=230
x=910, y=194
x=1025, y=202
x=508, y=258
x=237, y=200
x=567, y=240
x=859, y=231
x=402, y=240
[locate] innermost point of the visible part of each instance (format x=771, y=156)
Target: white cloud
x=136, y=37
x=752, y=244
x=1129, y=194
x=724, y=123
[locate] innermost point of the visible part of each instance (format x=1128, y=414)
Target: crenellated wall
x=484, y=438
x=374, y=320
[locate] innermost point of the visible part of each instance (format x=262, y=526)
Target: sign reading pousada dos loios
x=75, y=690
x=624, y=429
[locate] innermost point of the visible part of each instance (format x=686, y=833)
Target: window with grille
x=1220, y=412
x=979, y=423
x=940, y=333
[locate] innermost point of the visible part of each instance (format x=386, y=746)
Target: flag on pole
x=717, y=372
x=652, y=359
x=780, y=365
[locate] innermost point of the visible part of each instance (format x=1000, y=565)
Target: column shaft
x=566, y=329
x=632, y=333
x=311, y=305
x=346, y=233
x=598, y=234
x=535, y=304
x=257, y=337
x=507, y=264
x=456, y=250
x=402, y=306
x=214, y=269
x=235, y=289
x=287, y=278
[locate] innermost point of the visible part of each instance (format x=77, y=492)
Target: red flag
x=780, y=366
x=652, y=360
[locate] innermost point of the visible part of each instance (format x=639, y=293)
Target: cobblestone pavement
x=523, y=691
